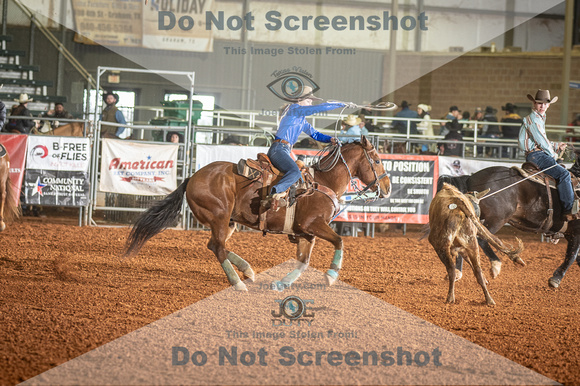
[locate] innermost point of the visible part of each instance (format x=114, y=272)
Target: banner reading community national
x=138, y=168
x=57, y=171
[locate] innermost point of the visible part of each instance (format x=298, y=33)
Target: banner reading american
x=138, y=168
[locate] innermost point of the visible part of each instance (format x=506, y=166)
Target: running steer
x=454, y=228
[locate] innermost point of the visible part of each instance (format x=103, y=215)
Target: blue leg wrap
x=335, y=265
x=337, y=260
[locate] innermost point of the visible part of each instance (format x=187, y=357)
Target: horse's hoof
x=240, y=286
x=250, y=274
x=554, y=282
x=495, y=269
x=279, y=286
x=2, y=226
x=331, y=276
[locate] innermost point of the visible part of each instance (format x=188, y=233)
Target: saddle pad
x=3, y=151
x=528, y=170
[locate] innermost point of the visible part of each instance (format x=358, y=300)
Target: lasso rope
x=515, y=183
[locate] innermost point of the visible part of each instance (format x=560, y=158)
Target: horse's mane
x=460, y=182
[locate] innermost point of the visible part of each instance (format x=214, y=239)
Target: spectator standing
x=449, y=148
x=112, y=114
x=451, y=115
x=425, y=126
x=490, y=130
x=406, y=112
x=510, y=132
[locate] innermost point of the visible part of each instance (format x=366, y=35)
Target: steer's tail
x=162, y=215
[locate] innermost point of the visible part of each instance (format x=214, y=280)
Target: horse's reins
x=361, y=192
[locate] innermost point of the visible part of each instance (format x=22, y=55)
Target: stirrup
x=274, y=201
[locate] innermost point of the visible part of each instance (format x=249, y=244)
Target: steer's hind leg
x=473, y=256
x=448, y=258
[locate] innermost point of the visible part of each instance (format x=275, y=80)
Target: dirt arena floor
x=64, y=291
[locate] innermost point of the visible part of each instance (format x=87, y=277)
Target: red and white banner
x=15, y=145
x=58, y=153
x=138, y=168
x=57, y=171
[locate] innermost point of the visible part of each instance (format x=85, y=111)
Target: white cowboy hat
x=23, y=98
x=307, y=94
x=352, y=120
x=424, y=107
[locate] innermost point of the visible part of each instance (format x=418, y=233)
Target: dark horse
x=8, y=200
x=525, y=206
x=219, y=198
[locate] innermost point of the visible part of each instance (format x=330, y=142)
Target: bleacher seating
x=19, y=78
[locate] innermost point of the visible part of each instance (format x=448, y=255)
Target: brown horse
x=219, y=198
x=72, y=129
x=8, y=201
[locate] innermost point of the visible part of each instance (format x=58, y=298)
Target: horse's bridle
x=372, y=184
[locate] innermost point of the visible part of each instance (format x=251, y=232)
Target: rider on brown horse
x=292, y=124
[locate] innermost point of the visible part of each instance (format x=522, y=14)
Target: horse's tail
x=12, y=209
x=159, y=217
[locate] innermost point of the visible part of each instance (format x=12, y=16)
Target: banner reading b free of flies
x=57, y=171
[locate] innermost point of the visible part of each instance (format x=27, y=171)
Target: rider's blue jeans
x=561, y=175
x=279, y=154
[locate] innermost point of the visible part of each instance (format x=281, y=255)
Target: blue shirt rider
x=542, y=152
x=292, y=124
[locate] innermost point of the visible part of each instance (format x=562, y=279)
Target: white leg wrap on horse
x=292, y=276
x=242, y=265
x=233, y=277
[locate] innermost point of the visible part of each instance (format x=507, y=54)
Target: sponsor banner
x=206, y=154
x=177, y=25
x=453, y=166
x=58, y=153
x=53, y=187
x=138, y=168
x=16, y=147
x=413, y=183
x=109, y=22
